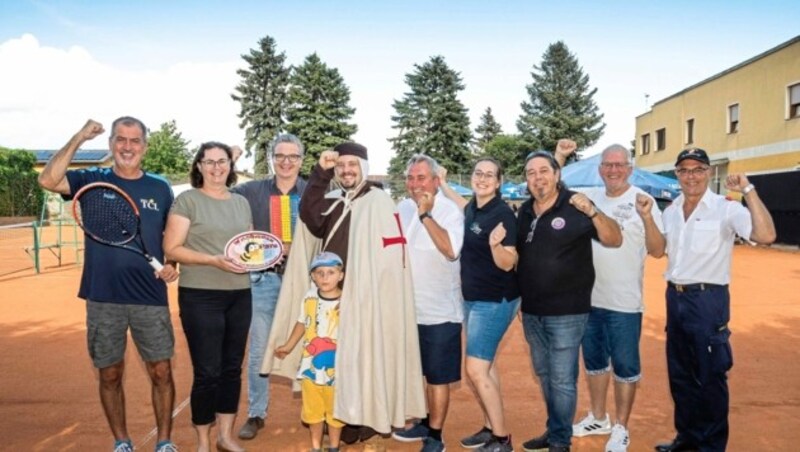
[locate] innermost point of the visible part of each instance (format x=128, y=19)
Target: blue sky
x=62, y=62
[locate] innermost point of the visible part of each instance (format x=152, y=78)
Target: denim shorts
x=440, y=351
x=613, y=337
x=107, y=332
x=485, y=323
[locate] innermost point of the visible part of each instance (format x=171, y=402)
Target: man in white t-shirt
x=611, y=339
x=434, y=229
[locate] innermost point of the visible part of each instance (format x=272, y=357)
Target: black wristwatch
x=424, y=215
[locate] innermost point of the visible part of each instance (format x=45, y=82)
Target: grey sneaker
x=478, y=439
x=417, y=432
x=250, y=428
x=537, y=444
x=166, y=446
x=431, y=445
x=494, y=445
x=123, y=446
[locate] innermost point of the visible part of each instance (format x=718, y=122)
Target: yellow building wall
x=766, y=141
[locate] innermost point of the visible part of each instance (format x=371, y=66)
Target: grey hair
x=617, y=148
x=285, y=138
x=128, y=121
x=417, y=158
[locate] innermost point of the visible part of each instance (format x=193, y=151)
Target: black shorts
x=440, y=351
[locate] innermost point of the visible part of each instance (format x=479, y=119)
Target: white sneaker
x=619, y=439
x=591, y=426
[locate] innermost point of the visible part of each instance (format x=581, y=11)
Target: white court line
x=154, y=432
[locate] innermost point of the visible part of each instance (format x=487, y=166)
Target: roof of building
x=777, y=48
x=81, y=156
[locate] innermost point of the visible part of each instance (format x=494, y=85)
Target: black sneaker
x=494, y=445
x=417, y=432
x=478, y=439
x=536, y=444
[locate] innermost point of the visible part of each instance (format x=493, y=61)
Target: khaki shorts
x=107, y=332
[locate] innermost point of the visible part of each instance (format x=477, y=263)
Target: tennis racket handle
x=156, y=264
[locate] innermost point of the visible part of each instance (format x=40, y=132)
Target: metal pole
x=35, y=225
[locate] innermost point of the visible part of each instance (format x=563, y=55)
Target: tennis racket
x=109, y=216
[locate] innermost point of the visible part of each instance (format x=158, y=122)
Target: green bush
x=20, y=194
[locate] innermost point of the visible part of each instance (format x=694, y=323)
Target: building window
x=661, y=139
x=794, y=101
x=733, y=118
x=690, y=131
x=645, y=144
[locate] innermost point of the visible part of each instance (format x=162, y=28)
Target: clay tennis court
x=49, y=401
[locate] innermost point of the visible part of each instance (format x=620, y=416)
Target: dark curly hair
x=196, y=177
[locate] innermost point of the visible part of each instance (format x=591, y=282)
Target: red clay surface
x=49, y=401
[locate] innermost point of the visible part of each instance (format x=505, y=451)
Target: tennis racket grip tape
x=155, y=264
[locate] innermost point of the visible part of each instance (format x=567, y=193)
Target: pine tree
x=262, y=93
x=510, y=151
x=431, y=120
x=487, y=130
x=167, y=152
x=561, y=103
x=318, y=109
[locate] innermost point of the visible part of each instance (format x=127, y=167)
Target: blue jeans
x=485, y=323
x=265, y=287
x=613, y=336
x=555, y=342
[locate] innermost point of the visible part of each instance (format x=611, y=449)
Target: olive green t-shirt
x=212, y=223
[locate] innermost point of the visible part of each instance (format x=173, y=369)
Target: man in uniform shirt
x=700, y=228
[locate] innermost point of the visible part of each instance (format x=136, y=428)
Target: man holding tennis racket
x=122, y=290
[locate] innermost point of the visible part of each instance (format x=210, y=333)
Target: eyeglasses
x=213, y=163
x=481, y=175
x=292, y=158
x=617, y=166
x=683, y=172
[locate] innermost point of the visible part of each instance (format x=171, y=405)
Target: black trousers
x=698, y=358
x=216, y=323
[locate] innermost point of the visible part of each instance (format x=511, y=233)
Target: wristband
x=748, y=189
x=424, y=215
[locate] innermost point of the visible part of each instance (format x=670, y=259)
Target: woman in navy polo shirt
x=490, y=294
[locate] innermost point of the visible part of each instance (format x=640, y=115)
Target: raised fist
x=327, y=159
x=581, y=202
x=90, y=130
x=736, y=182
x=644, y=205
x=566, y=147
x=497, y=235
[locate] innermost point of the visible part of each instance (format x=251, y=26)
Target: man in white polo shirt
x=434, y=228
x=700, y=228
